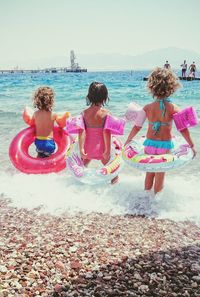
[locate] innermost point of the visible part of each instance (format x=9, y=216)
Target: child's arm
x=28, y=116
x=107, y=143
x=81, y=140
x=186, y=134
x=175, y=109
x=132, y=134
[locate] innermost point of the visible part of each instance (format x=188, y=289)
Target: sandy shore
x=96, y=255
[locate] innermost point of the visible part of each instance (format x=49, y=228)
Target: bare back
x=154, y=114
x=44, y=122
x=95, y=116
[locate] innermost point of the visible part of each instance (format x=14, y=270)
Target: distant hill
x=175, y=56
x=102, y=61
x=148, y=60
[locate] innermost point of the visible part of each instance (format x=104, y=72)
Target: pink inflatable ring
x=21, y=159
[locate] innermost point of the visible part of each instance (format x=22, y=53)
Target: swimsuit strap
x=156, y=126
x=162, y=105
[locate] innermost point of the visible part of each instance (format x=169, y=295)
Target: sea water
x=59, y=193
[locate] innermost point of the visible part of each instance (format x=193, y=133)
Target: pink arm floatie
x=114, y=125
x=62, y=118
x=135, y=114
x=186, y=118
x=28, y=116
x=74, y=125
x=141, y=117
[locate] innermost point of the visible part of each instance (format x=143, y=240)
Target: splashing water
x=61, y=193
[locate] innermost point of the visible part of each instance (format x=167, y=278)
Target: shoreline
x=96, y=255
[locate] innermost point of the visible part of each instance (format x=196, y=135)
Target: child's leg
x=86, y=162
x=159, y=181
x=41, y=155
x=148, y=184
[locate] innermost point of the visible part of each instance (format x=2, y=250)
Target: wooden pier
x=46, y=70
x=188, y=78
x=74, y=68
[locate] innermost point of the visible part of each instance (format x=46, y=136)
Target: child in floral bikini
x=161, y=83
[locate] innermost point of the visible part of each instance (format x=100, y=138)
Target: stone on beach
x=96, y=255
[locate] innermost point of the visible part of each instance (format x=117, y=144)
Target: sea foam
x=60, y=193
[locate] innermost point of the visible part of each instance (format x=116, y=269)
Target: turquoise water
x=71, y=89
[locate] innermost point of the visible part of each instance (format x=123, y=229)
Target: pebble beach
x=96, y=255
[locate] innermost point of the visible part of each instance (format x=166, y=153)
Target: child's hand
x=106, y=156
x=83, y=154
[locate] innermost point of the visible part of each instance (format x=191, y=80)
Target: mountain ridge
x=116, y=61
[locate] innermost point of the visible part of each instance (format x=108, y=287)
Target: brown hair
x=162, y=83
x=97, y=94
x=43, y=98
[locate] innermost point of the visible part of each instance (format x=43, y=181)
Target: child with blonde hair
x=162, y=83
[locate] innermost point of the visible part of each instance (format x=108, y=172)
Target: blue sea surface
x=16, y=92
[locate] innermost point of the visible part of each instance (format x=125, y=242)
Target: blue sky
x=32, y=29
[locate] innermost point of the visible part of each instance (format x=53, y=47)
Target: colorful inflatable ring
x=21, y=159
x=94, y=174
x=133, y=155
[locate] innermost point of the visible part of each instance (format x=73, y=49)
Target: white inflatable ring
x=94, y=174
x=133, y=154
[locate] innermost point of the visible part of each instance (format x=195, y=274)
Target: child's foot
x=115, y=180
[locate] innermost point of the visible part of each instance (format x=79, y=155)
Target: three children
x=95, y=142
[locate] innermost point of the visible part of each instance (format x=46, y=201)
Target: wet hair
x=97, y=94
x=43, y=98
x=162, y=83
